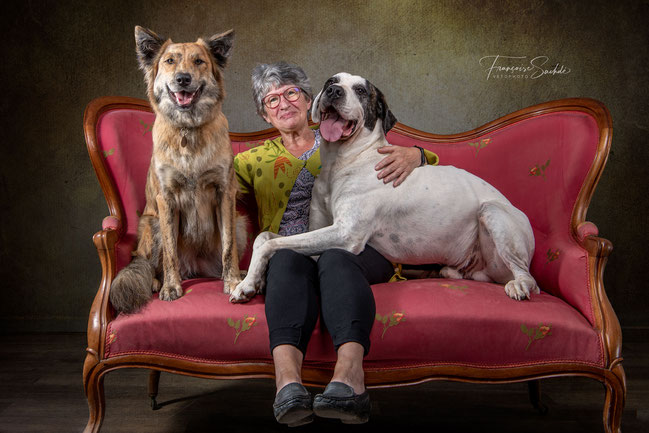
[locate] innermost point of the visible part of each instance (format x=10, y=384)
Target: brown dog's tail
x=131, y=288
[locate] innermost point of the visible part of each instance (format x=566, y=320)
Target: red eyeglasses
x=291, y=94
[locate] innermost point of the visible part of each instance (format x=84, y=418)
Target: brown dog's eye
x=198, y=62
x=170, y=61
x=360, y=91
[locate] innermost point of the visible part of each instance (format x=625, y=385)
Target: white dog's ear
x=315, y=111
x=383, y=112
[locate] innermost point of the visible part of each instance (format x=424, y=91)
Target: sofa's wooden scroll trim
x=606, y=322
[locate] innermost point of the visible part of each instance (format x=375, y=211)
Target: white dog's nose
x=334, y=92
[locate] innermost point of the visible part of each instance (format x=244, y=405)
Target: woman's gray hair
x=265, y=76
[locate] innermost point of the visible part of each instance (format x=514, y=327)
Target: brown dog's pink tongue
x=332, y=128
x=184, y=98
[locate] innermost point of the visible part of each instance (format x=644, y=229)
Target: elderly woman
x=280, y=175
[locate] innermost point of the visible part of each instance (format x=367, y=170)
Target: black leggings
x=341, y=281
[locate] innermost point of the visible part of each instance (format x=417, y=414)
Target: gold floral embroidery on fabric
x=390, y=320
x=553, y=255
x=242, y=326
x=480, y=145
x=537, y=333
x=146, y=127
x=539, y=170
x=462, y=288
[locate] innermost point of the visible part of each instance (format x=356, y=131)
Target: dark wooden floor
x=40, y=377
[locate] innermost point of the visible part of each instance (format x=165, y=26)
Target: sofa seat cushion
x=418, y=323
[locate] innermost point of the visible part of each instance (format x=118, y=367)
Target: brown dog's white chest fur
x=192, y=176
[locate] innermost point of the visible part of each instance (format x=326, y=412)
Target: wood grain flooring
x=41, y=391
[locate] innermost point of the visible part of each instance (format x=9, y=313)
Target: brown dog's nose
x=183, y=79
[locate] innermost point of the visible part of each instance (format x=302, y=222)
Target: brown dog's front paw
x=171, y=292
x=229, y=286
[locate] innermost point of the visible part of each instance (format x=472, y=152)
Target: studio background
x=424, y=56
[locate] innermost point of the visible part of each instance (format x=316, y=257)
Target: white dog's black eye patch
x=361, y=91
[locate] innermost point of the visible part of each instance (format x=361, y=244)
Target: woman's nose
x=283, y=103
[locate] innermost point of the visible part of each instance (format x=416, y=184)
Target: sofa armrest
x=596, y=246
x=606, y=320
x=101, y=311
x=586, y=229
x=107, y=241
x=572, y=268
x=566, y=265
x=110, y=222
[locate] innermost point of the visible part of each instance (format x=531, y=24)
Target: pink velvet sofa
x=547, y=159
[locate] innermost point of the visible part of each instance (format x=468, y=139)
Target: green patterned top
x=269, y=171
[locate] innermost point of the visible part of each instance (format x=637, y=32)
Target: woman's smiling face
x=288, y=115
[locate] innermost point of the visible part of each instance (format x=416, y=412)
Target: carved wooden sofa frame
x=102, y=359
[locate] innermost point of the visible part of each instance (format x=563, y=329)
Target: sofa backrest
x=545, y=159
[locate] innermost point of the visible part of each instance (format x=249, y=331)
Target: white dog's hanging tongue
x=333, y=127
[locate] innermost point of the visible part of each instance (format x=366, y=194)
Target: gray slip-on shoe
x=293, y=405
x=341, y=402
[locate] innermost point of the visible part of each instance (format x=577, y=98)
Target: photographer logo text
x=521, y=67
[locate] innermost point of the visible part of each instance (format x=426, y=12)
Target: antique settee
x=547, y=159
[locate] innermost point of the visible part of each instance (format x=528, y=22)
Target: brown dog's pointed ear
x=221, y=46
x=147, y=46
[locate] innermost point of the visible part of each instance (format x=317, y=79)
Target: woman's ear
x=315, y=113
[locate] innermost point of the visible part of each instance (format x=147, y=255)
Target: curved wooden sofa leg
x=615, y=384
x=94, y=387
x=534, y=388
x=154, y=381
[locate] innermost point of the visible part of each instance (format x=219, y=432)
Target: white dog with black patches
x=440, y=214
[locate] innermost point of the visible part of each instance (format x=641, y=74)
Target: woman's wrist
x=424, y=161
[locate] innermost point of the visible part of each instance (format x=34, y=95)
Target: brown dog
x=189, y=225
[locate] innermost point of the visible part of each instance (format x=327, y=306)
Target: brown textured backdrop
x=424, y=55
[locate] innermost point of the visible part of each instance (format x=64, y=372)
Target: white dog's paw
x=449, y=272
x=521, y=288
x=243, y=292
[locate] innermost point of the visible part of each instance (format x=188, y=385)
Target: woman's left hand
x=399, y=163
